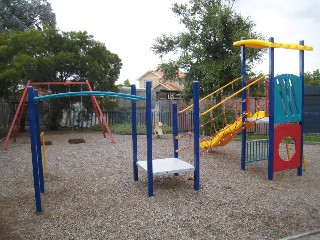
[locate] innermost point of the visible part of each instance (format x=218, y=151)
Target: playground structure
x=285, y=120
x=225, y=135
x=173, y=165
x=152, y=166
x=286, y=102
x=283, y=110
x=229, y=115
x=21, y=108
x=35, y=136
x=288, y=88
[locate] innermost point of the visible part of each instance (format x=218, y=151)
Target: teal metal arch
x=88, y=93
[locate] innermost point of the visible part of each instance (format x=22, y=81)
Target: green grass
x=253, y=137
x=311, y=138
x=306, y=138
x=126, y=129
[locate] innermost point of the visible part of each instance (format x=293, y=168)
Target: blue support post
x=149, y=138
x=175, y=130
x=271, y=111
x=39, y=152
x=33, y=140
x=196, y=142
x=134, y=134
x=301, y=70
x=243, y=106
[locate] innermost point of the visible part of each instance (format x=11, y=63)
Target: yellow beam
x=234, y=94
x=256, y=43
x=209, y=95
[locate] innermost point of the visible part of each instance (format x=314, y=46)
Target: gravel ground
x=90, y=194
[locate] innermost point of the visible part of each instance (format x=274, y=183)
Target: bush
x=126, y=129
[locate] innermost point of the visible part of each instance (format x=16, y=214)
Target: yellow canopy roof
x=256, y=43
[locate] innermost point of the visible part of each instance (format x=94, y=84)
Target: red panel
x=280, y=132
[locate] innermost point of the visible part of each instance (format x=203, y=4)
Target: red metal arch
x=292, y=130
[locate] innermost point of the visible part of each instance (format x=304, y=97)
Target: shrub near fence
x=5, y=115
x=184, y=120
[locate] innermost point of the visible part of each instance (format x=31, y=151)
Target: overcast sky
x=129, y=28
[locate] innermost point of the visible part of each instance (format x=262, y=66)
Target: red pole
x=96, y=111
x=22, y=100
x=97, y=107
x=21, y=112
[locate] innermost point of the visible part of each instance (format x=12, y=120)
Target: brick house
x=166, y=91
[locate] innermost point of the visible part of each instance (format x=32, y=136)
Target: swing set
x=21, y=108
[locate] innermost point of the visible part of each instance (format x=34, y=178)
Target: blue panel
x=287, y=98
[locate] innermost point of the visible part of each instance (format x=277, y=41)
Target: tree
x=20, y=15
x=312, y=79
x=49, y=55
x=127, y=83
x=205, y=49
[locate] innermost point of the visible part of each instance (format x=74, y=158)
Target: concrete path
x=311, y=235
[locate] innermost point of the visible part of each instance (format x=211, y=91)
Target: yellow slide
x=225, y=135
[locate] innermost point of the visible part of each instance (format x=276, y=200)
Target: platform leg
x=196, y=125
x=33, y=140
x=149, y=138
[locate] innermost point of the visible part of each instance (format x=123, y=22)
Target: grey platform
x=258, y=120
x=167, y=165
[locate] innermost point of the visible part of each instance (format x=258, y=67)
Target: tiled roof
x=160, y=73
x=167, y=86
